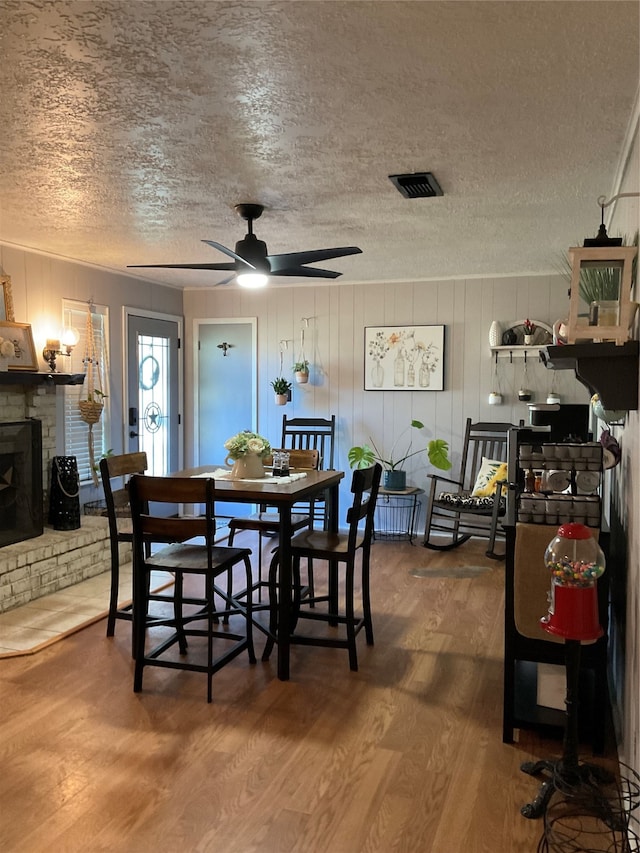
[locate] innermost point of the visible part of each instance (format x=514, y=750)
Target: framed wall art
x=24, y=352
x=404, y=358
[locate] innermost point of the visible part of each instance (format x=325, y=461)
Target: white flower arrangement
x=7, y=348
x=247, y=442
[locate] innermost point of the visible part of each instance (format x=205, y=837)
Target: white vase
x=248, y=467
x=4, y=364
x=495, y=334
x=528, y=340
x=302, y=377
x=495, y=398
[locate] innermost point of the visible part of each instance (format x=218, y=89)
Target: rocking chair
x=475, y=502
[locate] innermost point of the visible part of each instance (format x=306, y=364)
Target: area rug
x=84, y=621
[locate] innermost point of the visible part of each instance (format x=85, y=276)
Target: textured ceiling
x=131, y=129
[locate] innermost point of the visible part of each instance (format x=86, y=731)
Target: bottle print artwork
x=398, y=369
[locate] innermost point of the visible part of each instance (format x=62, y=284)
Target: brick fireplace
x=55, y=559
x=21, y=402
x=21, y=506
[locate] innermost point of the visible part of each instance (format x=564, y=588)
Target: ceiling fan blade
x=225, y=280
x=307, y=272
x=226, y=251
x=224, y=266
x=310, y=257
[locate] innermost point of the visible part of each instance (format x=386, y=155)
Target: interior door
x=153, y=389
x=226, y=388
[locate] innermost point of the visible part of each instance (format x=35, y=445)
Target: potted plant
x=301, y=370
x=281, y=389
x=247, y=450
x=529, y=329
x=394, y=477
x=601, y=283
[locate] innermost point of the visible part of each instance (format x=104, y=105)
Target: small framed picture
x=24, y=352
x=404, y=358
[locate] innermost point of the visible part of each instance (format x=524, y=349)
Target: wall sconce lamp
x=54, y=347
x=224, y=346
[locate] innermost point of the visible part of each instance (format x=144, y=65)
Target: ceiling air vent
x=416, y=185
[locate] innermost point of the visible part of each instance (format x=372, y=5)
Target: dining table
x=282, y=493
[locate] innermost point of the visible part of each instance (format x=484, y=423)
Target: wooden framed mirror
x=6, y=300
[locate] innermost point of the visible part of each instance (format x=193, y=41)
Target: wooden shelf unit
x=30, y=377
x=608, y=369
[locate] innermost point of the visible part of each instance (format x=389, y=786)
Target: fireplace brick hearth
x=57, y=559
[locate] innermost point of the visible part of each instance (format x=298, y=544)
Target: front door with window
x=153, y=414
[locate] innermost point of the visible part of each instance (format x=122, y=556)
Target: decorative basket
x=90, y=411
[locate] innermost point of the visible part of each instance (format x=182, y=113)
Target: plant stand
x=396, y=514
x=567, y=775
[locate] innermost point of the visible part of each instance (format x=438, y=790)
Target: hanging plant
x=301, y=370
x=281, y=389
x=92, y=405
x=301, y=367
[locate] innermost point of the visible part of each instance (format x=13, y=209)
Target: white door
x=153, y=392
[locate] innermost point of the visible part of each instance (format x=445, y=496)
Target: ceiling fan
x=252, y=265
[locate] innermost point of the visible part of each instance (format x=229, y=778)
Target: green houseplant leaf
x=281, y=385
x=363, y=456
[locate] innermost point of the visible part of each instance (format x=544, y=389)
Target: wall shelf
x=517, y=351
x=30, y=377
x=542, y=336
x=608, y=369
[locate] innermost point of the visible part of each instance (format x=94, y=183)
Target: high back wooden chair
x=183, y=557
x=119, y=468
x=336, y=549
x=312, y=434
x=267, y=521
x=473, y=503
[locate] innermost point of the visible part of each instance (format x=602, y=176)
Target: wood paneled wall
x=334, y=345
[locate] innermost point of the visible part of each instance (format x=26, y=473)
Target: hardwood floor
x=404, y=755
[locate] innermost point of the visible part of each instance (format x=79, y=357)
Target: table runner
x=224, y=474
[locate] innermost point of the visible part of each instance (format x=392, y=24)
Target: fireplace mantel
x=30, y=377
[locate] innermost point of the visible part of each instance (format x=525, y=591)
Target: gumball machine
x=575, y=561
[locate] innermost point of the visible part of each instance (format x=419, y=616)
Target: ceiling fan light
x=252, y=280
